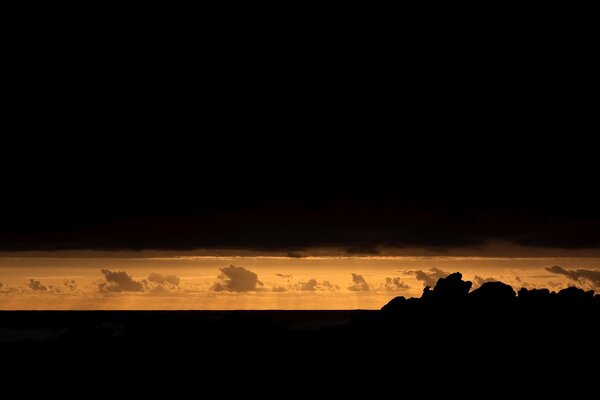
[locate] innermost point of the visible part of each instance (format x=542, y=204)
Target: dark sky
x=339, y=149
x=238, y=193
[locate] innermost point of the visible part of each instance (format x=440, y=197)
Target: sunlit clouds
x=584, y=277
x=237, y=279
x=263, y=282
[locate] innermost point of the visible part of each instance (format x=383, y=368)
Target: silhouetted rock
x=449, y=290
x=575, y=296
x=493, y=293
x=395, y=304
x=454, y=291
x=535, y=297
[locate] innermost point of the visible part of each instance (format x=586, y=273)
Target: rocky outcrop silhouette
x=493, y=293
x=575, y=296
x=449, y=290
x=454, y=291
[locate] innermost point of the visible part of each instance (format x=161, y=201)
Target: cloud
x=429, y=277
x=159, y=289
x=579, y=275
x=162, y=279
x=308, y=286
x=313, y=285
x=119, y=281
x=323, y=215
x=395, y=285
x=294, y=255
x=359, y=284
x=478, y=281
x=521, y=282
x=54, y=289
x=37, y=285
x=237, y=279
x=5, y=288
x=70, y=284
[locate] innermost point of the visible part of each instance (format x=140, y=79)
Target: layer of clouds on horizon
x=239, y=279
x=121, y=281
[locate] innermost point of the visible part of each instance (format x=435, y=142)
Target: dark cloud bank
x=357, y=217
x=356, y=192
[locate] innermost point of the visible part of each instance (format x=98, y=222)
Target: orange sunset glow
x=257, y=282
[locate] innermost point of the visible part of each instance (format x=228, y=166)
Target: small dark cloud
x=162, y=279
x=579, y=275
x=54, y=289
x=119, y=281
x=329, y=286
x=478, y=281
x=282, y=288
x=294, y=255
x=313, y=285
x=524, y=284
x=37, y=285
x=428, y=277
x=359, y=284
x=159, y=289
x=162, y=284
x=395, y=285
x=237, y=279
x=5, y=288
x=70, y=284
x=308, y=286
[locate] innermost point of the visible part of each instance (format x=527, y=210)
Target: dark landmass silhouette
x=446, y=341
